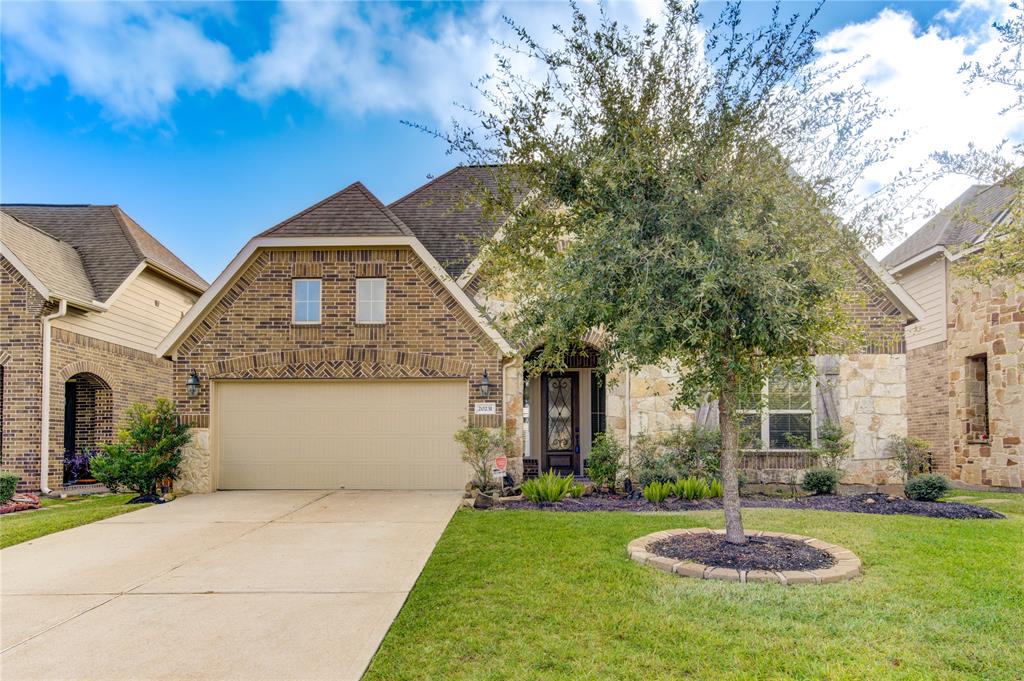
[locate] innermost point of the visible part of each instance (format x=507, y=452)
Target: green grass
x=61, y=514
x=534, y=595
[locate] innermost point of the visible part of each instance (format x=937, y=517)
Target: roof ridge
x=302, y=212
x=120, y=216
x=55, y=205
x=427, y=185
x=384, y=209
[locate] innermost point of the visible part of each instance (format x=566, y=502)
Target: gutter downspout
x=44, y=436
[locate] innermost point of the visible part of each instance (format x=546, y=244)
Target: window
x=976, y=390
x=597, y=404
x=780, y=418
x=306, y=301
x=370, y=301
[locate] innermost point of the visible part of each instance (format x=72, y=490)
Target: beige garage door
x=330, y=434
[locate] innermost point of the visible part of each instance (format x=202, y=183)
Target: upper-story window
x=371, y=301
x=306, y=301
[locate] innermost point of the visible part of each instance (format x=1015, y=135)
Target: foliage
x=605, y=458
x=548, y=487
x=650, y=462
x=715, y=489
x=692, y=488
x=833, y=446
x=480, y=446
x=821, y=480
x=577, y=490
x=657, y=492
x=8, y=485
x=694, y=450
x=146, y=451
x=927, y=487
x=912, y=454
x=680, y=188
x=76, y=464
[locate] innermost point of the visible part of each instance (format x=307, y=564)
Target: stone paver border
x=847, y=563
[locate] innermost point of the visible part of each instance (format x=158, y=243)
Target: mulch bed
x=880, y=504
x=20, y=502
x=759, y=553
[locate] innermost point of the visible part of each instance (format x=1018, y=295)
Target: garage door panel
x=326, y=434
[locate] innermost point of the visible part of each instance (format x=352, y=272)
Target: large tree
x=693, y=192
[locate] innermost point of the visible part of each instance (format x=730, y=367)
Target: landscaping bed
x=880, y=504
x=759, y=553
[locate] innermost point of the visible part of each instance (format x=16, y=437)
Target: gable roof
x=354, y=211
x=109, y=243
x=450, y=226
x=964, y=222
x=54, y=267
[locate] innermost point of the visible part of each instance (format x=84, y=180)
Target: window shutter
x=707, y=415
x=827, y=367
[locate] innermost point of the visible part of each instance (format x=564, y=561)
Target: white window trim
x=320, y=303
x=383, y=300
x=765, y=414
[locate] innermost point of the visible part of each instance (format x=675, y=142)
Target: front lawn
x=536, y=595
x=61, y=514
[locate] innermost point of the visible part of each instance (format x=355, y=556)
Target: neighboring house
x=86, y=294
x=965, y=356
x=344, y=347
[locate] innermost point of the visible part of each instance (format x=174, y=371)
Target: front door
x=560, y=423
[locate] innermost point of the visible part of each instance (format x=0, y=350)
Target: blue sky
x=210, y=122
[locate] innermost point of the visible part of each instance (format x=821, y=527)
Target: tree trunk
x=730, y=460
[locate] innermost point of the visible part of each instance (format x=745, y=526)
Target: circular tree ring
x=847, y=564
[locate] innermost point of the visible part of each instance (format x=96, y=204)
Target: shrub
x=76, y=464
x=715, y=490
x=694, y=451
x=603, y=462
x=146, y=451
x=577, y=490
x=833, y=446
x=479, y=448
x=548, y=487
x=928, y=487
x=912, y=455
x=656, y=492
x=651, y=463
x=692, y=488
x=8, y=484
x=821, y=480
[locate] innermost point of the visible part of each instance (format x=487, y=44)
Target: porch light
x=192, y=384
x=485, y=385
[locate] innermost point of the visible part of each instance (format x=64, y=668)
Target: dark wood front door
x=560, y=423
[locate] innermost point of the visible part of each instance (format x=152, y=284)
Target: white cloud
x=133, y=58
x=914, y=71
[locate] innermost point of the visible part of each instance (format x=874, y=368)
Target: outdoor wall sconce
x=485, y=385
x=192, y=384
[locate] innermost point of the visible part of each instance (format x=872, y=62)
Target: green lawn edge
x=62, y=514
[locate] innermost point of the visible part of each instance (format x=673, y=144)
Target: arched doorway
x=88, y=421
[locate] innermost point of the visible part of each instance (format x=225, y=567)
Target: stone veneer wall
x=872, y=394
x=987, y=320
x=249, y=334
x=928, y=401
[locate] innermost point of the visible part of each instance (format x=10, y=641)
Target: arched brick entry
x=88, y=421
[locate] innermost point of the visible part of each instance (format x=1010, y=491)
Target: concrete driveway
x=232, y=585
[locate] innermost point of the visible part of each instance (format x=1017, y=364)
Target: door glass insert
x=559, y=413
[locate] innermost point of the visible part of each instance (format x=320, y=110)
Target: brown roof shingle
x=53, y=262
x=354, y=211
x=110, y=244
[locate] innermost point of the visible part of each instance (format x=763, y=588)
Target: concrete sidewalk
x=232, y=585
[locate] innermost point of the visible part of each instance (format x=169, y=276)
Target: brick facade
x=928, y=401
x=249, y=334
x=115, y=377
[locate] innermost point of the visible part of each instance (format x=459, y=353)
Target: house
x=344, y=347
x=964, y=356
x=86, y=294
